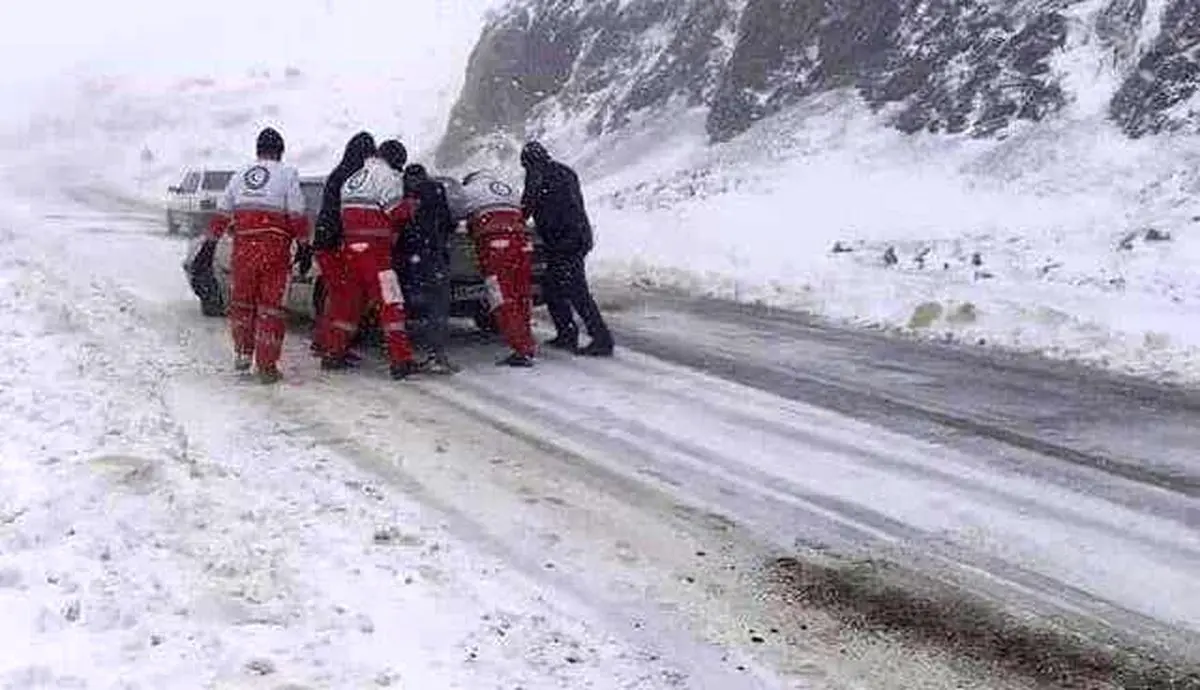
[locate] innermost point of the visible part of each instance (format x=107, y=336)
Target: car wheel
x=172, y=225
x=485, y=319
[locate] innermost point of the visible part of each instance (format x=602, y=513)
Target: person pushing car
x=495, y=222
x=374, y=211
x=327, y=240
x=553, y=200
x=423, y=262
x=263, y=207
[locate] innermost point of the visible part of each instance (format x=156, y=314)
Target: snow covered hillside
x=1066, y=238
x=1027, y=208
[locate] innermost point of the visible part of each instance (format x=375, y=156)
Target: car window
x=215, y=181
x=191, y=182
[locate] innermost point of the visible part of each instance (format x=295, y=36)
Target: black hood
x=359, y=147
x=329, y=221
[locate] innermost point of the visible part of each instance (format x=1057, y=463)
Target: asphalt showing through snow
x=1129, y=428
x=1131, y=442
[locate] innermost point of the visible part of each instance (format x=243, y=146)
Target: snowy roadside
x=162, y=529
x=1066, y=240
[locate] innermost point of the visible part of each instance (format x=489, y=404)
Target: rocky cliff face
x=1158, y=95
x=955, y=66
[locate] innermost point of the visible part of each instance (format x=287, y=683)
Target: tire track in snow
x=156, y=331
x=299, y=404
x=804, y=384
x=385, y=391
x=688, y=468
x=108, y=314
x=910, y=668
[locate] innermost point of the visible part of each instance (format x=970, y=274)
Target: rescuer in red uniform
x=374, y=210
x=327, y=241
x=264, y=209
x=505, y=250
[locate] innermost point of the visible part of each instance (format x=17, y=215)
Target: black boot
x=516, y=359
x=269, y=375
x=439, y=364
x=335, y=363
x=403, y=370
x=564, y=341
x=598, y=348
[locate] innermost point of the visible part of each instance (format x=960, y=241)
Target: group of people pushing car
x=382, y=239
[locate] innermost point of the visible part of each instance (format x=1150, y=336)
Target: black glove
x=304, y=258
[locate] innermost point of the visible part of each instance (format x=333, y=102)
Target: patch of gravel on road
x=866, y=596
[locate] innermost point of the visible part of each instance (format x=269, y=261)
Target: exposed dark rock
x=946, y=66
x=520, y=60
x=951, y=66
x=602, y=61
x=1118, y=26
x=1166, y=76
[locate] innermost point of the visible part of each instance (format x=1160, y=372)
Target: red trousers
x=369, y=279
x=506, y=262
x=333, y=278
x=261, y=268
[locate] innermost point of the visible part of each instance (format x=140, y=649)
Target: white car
x=192, y=202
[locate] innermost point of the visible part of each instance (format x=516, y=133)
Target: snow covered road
x=587, y=524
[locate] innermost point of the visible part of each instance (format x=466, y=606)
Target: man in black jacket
x=554, y=200
x=327, y=239
x=422, y=260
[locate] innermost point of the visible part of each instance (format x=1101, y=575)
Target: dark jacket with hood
x=425, y=242
x=328, y=235
x=553, y=199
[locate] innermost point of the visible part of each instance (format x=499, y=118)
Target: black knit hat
x=270, y=143
x=394, y=153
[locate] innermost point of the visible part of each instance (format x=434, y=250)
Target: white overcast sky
x=43, y=41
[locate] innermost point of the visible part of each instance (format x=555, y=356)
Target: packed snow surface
x=162, y=526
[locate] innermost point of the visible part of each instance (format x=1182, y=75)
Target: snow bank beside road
x=1066, y=240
